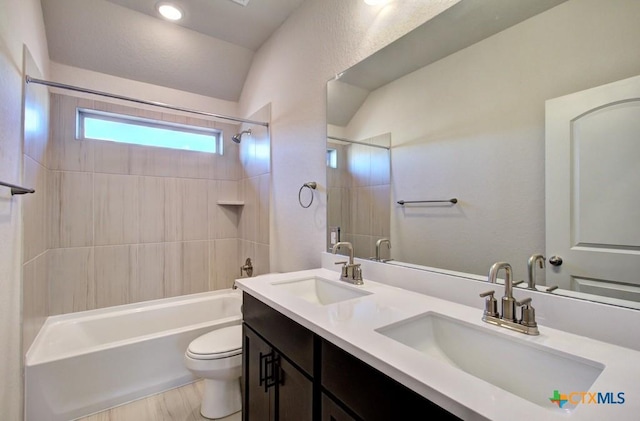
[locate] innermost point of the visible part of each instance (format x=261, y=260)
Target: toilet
x=217, y=358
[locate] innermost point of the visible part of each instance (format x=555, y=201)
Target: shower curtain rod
x=359, y=143
x=29, y=79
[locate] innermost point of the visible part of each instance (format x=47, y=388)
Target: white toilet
x=217, y=358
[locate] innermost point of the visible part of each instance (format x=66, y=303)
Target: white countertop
x=351, y=325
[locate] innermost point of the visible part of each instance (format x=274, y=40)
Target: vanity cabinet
x=292, y=374
x=277, y=365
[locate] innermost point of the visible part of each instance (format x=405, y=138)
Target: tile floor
x=181, y=404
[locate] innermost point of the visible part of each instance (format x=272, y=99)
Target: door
x=258, y=397
x=294, y=393
x=593, y=190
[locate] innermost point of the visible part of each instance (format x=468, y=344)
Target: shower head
x=238, y=137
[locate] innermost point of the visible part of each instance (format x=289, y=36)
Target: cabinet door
x=331, y=411
x=294, y=393
x=259, y=401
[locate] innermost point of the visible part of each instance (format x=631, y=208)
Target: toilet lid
x=220, y=343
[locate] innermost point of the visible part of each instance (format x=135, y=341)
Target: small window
x=146, y=132
x=332, y=158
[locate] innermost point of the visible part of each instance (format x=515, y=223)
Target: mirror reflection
x=462, y=100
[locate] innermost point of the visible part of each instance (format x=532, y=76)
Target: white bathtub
x=86, y=362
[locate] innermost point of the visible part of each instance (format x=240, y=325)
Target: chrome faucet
x=527, y=323
x=378, y=244
x=531, y=267
x=351, y=272
x=508, y=302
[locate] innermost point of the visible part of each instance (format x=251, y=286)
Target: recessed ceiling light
x=170, y=11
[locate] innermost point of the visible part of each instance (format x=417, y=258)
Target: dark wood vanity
x=293, y=374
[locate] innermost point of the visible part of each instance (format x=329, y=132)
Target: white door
x=592, y=188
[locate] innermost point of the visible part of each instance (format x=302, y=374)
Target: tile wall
x=123, y=223
x=359, y=194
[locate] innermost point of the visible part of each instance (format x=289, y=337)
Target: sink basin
x=529, y=370
x=321, y=291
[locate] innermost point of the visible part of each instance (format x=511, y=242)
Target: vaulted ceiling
x=209, y=52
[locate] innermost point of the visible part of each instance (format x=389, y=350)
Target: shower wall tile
x=381, y=210
x=261, y=265
x=152, y=209
x=150, y=273
x=186, y=209
x=65, y=151
x=34, y=212
x=223, y=220
x=71, y=279
x=362, y=210
x=248, y=228
x=70, y=205
x=116, y=209
x=195, y=271
x=264, y=192
x=128, y=223
x=186, y=267
x=112, y=157
x=35, y=305
x=36, y=124
x=225, y=263
x=115, y=272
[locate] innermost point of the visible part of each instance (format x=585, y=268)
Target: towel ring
x=311, y=185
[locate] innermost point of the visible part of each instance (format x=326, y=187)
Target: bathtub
x=82, y=363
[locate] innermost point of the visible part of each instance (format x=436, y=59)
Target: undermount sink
x=526, y=369
x=320, y=291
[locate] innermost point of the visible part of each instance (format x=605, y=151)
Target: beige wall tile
x=70, y=205
x=34, y=210
x=65, y=152
x=361, y=210
x=152, y=209
x=261, y=265
x=195, y=272
x=36, y=124
x=112, y=157
x=115, y=272
x=223, y=220
x=150, y=273
x=264, y=192
x=225, y=263
x=71, y=278
x=381, y=210
x=35, y=305
x=186, y=267
x=116, y=209
x=186, y=209
x=248, y=226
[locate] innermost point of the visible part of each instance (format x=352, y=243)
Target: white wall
x=471, y=126
x=321, y=38
x=133, y=89
x=20, y=23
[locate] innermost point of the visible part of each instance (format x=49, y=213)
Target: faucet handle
x=528, y=313
x=344, y=268
x=491, y=304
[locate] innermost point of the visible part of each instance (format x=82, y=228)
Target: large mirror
x=456, y=110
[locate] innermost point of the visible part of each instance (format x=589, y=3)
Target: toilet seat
x=221, y=343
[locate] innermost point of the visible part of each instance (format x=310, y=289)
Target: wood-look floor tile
x=180, y=404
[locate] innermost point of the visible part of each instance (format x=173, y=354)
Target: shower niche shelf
x=230, y=202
